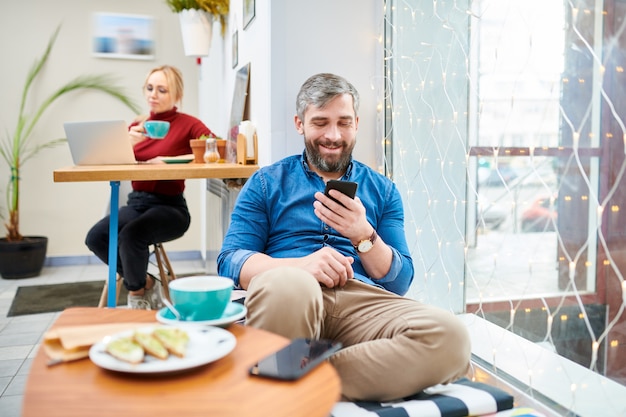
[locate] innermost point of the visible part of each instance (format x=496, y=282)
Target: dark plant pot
x=22, y=259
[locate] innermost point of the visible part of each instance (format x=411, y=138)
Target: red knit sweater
x=183, y=127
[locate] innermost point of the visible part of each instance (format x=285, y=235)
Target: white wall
x=288, y=41
x=337, y=36
x=65, y=211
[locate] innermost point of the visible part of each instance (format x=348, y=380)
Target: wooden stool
x=166, y=274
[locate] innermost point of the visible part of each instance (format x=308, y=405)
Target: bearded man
x=337, y=268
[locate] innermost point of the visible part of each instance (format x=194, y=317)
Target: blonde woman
x=156, y=211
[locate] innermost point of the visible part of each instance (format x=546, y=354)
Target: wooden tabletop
x=139, y=172
x=222, y=388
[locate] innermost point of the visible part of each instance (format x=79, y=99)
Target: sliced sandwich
x=151, y=345
x=126, y=349
x=174, y=339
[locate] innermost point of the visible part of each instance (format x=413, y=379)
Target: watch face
x=365, y=246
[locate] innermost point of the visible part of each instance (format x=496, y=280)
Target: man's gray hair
x=320, y=89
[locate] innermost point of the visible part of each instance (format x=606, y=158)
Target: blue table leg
x=113, y=222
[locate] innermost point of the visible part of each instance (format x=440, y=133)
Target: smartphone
x=346, y=187
x=296, y=359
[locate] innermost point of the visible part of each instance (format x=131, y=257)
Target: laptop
x=103, y=142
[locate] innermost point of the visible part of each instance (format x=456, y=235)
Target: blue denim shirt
x=274, y=215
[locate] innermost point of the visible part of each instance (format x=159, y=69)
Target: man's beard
x=315, y=158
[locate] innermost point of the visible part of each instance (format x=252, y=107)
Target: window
x=506, y=123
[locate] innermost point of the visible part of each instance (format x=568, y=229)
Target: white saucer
x=234, y=312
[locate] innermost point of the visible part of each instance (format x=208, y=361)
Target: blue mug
x=156, y=129
x=201, y=298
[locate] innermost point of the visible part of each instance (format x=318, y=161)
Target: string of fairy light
x=428, y=54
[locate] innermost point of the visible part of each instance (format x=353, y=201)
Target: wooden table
x=222, y=388
x=116, y=173
x=138, y=172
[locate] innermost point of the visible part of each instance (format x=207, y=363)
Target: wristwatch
x=367, y=244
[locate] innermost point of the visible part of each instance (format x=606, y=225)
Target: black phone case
x=346, y=187
x=295, y=360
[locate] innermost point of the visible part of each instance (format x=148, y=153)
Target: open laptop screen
x=103, y=142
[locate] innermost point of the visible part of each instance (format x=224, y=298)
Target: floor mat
x=57, y=297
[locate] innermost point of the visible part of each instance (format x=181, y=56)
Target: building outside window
x=506, y=124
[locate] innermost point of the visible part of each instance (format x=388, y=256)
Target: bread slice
x=174, y=339
x=151, y=345
x=125, y=349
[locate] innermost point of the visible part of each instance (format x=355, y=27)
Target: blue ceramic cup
x=201, y=298
x=156, y=129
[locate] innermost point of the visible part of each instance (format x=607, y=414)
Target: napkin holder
x=247, y=150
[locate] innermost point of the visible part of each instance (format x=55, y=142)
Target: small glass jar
x=211, y=155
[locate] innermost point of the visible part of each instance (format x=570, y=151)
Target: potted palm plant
x=196, y=22
x=23, y=256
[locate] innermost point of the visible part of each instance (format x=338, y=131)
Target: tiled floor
x=20, y=336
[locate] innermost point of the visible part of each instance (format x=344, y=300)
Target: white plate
x=234, y=312
x=205, y=345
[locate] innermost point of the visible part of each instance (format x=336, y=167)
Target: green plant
x=205, y=137
x=218, y=8
x=18, y=148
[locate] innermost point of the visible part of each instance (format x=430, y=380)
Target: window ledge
x=540, y=378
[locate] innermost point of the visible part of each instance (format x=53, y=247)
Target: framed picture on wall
x=248, y=12
x=235, y=48
x=123, y=36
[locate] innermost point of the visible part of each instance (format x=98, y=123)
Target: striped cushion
x=459, y=399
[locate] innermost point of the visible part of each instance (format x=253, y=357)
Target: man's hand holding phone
x=350, y=218
x=345, y=187
x=339, y=193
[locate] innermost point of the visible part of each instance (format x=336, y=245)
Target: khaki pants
x=393, y=346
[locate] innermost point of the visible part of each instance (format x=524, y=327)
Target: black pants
x=147, y=219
